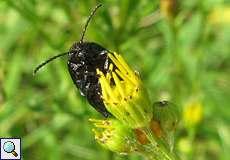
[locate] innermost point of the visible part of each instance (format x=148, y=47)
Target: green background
x=184, y=60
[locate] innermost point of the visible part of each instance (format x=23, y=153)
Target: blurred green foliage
x=183, y=60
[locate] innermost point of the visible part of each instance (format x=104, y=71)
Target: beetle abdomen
x=84, y=59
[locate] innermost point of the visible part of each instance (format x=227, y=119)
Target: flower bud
x=166, y=114
x=114, y=135
x=165, y=120
x=124, y=95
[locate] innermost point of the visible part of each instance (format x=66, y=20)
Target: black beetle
x=84, y=58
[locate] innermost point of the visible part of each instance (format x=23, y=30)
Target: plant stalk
x=158, y=149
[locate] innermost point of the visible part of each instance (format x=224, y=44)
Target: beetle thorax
x=88, y=52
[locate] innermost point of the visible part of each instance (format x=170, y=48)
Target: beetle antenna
x=88, y=20
x=47, y=61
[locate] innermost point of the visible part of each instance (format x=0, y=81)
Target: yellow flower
x=123, y=93
x=220, y=16
x=193, y=113
x=114, y=135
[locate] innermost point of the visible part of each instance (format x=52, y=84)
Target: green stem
x=191, y=135
x=158, y=149
x=148, y=152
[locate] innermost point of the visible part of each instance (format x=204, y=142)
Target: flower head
x=220, y=16
x=193, y=113
x=123, y=93
x=114, y=135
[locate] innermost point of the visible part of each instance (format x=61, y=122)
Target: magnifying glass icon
x=9, y=147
